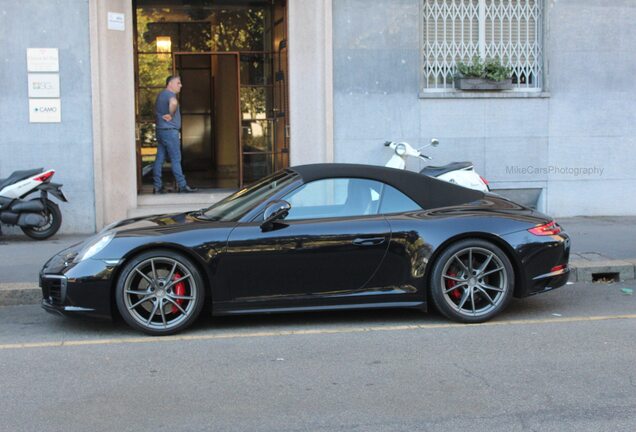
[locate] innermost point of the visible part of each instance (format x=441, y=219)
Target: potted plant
x=480, y=75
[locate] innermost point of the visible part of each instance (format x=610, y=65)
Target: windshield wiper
x=200, y=214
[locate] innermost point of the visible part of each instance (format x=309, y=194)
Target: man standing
x=168, y=122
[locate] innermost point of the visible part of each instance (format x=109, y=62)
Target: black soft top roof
x=428, y=192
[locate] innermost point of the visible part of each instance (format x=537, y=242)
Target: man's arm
x=172, y=107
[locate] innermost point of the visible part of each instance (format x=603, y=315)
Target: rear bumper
x=543, y=262
x=549, y=281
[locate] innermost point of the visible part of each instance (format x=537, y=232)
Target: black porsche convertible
x=315, y=237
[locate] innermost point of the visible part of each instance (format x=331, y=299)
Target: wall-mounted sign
x=43, y=60
x=44, y=85
x=45, y=111
x=116, y=21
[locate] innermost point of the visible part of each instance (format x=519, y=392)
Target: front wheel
x=53, y=217
x=472, y=281
x=160, y=292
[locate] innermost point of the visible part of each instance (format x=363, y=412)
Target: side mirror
x=276, y=210
x=434, y=142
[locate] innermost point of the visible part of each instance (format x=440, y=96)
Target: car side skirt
x=219, y=310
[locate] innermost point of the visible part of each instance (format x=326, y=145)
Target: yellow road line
x=341, y=330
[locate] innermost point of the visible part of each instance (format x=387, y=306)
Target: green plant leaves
x=491, y=69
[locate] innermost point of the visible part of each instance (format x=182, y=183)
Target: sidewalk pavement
x=602, y=248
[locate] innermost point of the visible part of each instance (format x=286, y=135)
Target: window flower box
x=481, y=84
x=479, y=75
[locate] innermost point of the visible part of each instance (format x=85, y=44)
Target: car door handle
x=373, y=241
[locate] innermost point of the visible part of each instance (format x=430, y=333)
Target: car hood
x=155, y=222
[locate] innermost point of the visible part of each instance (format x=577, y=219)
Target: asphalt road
x=562, y=361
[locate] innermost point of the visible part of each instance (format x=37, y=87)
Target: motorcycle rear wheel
x=53, y=217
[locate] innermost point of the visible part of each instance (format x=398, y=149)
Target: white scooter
x=460, y=173
x=38, y=217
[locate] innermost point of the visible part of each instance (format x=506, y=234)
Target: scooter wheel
x=53, y=222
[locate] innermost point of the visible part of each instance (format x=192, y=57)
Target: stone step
x=161, y=209
x=176, y=203
x=199, y=198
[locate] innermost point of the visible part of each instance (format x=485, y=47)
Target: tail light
x=548, y=229
x=484, y=180
x=45, y=177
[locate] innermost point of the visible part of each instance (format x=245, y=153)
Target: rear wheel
x=472, y=281
x=160, y=292
x=53, y=222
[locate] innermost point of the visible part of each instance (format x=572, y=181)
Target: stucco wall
x=588, y=120
x=66, y=146
x=310, y=81
x=592, y=113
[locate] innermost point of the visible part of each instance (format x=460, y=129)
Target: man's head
x=173, y=83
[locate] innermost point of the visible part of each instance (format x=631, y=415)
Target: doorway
x=210, y=112
x=232, y=58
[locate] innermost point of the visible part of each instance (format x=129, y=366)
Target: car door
x=325, y=250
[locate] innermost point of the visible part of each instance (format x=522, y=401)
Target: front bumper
x=82, y=288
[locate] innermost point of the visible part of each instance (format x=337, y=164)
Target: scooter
x=38, y=217
x=460, y=173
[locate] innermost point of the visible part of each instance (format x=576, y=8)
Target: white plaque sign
x=43, y=60
x=44, y=86
x=45, y=111
x=116, y=21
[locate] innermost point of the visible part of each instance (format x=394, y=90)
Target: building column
x=310, y=81
x=113, y=102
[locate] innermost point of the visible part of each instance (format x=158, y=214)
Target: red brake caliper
x=456, y=293
x=179, y=289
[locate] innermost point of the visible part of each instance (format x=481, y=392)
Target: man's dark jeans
x=168, y=143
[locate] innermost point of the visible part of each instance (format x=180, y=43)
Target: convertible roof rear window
x=427, y=192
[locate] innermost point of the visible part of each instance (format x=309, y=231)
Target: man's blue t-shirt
x=162, y=107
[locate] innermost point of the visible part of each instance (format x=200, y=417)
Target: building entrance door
x=210, y=118
x=232, y=58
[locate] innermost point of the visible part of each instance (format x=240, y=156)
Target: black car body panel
x=377, y=260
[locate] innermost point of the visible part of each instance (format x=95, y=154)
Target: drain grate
x=606, y=277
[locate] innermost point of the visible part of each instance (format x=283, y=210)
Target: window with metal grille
x=460, y=30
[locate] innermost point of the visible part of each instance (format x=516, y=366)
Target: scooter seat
x=17, y=176
x=436, y=171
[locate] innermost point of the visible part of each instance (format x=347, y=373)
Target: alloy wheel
x=160, y=293
x=474, y=282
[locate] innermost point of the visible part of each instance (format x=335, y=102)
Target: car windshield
x=236, y=205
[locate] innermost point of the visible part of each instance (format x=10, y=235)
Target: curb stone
x=22, y=293
x=582, y=270
x=586, y=265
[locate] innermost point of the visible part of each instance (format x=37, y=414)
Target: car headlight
x=94, y=246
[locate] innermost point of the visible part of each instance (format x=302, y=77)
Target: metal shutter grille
x=510, y=30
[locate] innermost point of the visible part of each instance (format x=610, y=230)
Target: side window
x=394, y=201
x=329, y=198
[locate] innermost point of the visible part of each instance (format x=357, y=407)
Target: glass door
x=210, y=133
x=234, y=100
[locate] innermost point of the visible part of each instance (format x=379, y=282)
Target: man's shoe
x=187, y=189
x=158, y=191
